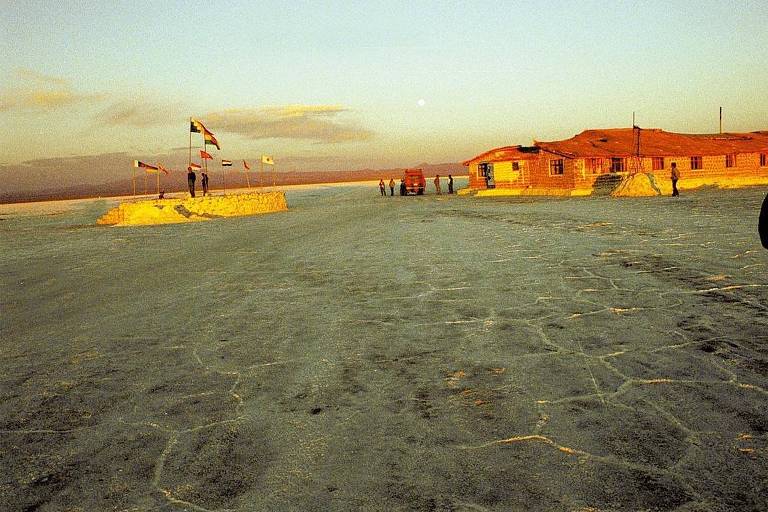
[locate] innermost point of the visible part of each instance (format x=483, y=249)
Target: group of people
x=192, y=177
x=383, y=187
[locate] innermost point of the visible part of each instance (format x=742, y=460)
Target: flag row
x=195, y=126
x=149, y=168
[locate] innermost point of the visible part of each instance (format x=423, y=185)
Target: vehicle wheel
x=421, y=192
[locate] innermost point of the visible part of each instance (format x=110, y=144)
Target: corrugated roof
x=505, y=154
x=619, y=142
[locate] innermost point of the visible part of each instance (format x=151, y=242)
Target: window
x=763, y=159
x=593, y=165
x=617, y=164
x=658, y=163
x=484, y=170
x=515, y=165
x=556, y=166
x=730, y=160
x=696, y=163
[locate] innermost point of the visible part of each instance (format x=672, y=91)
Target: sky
x=86, y=87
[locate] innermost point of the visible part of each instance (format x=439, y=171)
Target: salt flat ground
x=369, y=353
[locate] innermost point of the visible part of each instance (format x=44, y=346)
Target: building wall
x=504, y=175
x=534, y=175
x=713, y=167
x=475, y=182
x=541, y=179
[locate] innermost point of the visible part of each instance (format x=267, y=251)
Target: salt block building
x=598, y=158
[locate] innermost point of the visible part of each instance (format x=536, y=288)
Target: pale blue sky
x=490, y=74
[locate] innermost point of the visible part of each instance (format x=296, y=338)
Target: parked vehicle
x=413, y=182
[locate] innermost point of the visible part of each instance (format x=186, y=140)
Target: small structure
x=597, y=160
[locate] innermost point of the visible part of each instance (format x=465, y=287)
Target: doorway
x=485, y=170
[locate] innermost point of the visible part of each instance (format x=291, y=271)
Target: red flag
x=205, y=156
x=194, y=167
x=245, y=164
x=162, y=169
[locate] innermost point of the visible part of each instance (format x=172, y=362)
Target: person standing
x=204, y=182
x=674, y=176
x=450, y=184
x=191, y=178
x=382, y=188
x=391, y=187
x=437, y=184
x=762, y=224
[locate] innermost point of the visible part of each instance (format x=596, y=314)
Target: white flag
x=267, y=160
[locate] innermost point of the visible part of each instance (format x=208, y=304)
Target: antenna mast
x=721, y=119
x=635, y=161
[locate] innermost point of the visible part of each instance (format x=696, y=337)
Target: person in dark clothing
x=204, y=182
x=674, y=176
x=450, y=184
x=762, y=226
x=382, y=187
x=391, y=187
x=191, y=178
x=402, y=187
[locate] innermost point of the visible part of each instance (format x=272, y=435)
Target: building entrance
x=485, y=170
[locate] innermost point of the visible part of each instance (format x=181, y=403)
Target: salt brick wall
x=540, y=177
x=535, y=173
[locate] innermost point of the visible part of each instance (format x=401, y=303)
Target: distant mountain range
x=177, y=182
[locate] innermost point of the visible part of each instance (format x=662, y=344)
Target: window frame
x=697, y=163
x=657, y=163
x=763, y=160
x=622, y=164
x=730, y=160
x=594, y=165
x=555, y=164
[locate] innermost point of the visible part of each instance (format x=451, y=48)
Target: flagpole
x=261, y=171
x=158, y=181
x=190, y=143
x=247, y=179
x=205, y=160
x=133, y=179
x=224, y=179
x=145, y=182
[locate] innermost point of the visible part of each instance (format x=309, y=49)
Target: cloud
x=140, y=114
x=31, y=75
x=36, y=91
x=319, y=123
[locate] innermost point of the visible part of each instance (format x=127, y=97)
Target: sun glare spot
x=421, y=102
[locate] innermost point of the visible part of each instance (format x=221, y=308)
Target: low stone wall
x=170, y=211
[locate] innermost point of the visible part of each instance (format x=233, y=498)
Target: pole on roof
x=721, y=119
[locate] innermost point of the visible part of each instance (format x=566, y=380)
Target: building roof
x=505, y=154
x=619, y=142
